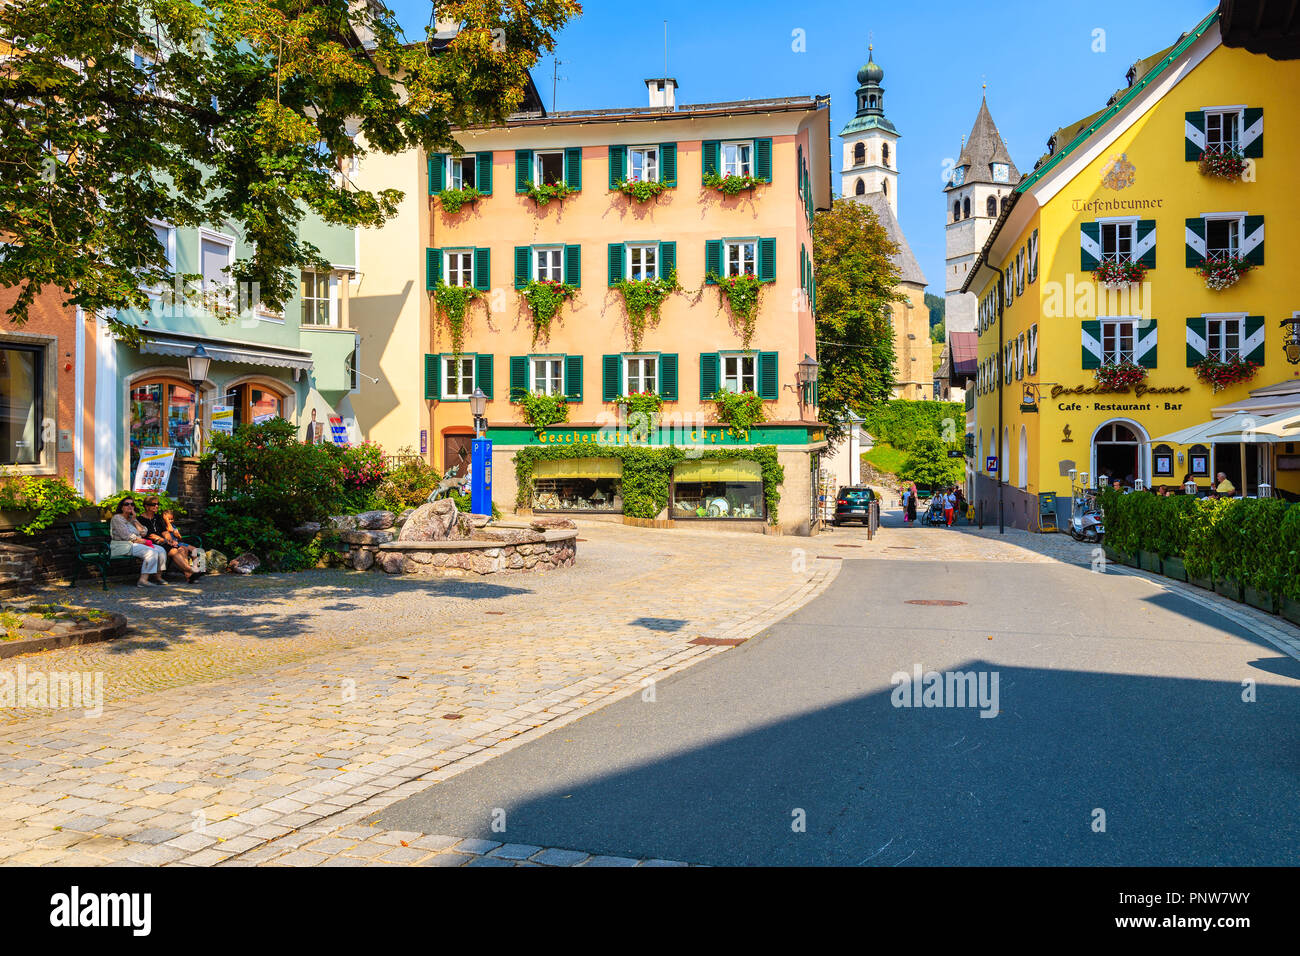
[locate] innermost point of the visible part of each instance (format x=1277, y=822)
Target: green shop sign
x=681, y=436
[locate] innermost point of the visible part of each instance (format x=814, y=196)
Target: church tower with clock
x=977, y=190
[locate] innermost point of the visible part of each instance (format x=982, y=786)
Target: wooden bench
x=94, y=542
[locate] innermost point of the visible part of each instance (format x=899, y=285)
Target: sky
x=1047, y=63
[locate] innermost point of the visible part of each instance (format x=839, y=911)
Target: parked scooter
x=1086, y=523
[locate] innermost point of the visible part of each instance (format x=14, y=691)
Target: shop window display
x=719, y=490
x=579, y=484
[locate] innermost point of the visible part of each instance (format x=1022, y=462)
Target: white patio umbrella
x=1207, y=431
x=1275, y=428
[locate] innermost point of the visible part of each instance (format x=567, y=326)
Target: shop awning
x=179, y=345
x=1204, y=432
x=579, y=468
x=705, y=469
x=1275, y=428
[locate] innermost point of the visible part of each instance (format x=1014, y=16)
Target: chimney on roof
x=663, y=93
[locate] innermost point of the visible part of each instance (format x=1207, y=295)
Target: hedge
x=1254, y=541
x=900, y=421
x=647, y=471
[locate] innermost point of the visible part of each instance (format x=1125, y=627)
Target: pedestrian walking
x=949, y=505
x=910, y=505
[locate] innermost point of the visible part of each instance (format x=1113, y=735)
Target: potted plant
x=1114, y=274
x=1222, y=374
x=730, y=184
x=30, y=503
x=1224, y=273
x=1120, y=376
x=1222, y=164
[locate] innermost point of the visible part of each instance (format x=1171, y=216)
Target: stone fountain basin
x=501, y=547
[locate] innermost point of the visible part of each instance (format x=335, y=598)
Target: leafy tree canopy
x=856, y=285
x=241, y=113
x=929, y=464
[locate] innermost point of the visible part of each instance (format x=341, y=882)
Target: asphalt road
x=1115, y=697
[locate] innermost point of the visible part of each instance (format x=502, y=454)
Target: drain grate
x=494, y=612
x=719, y=641
x=452, y=716
x=848, y=545
x=939, y=603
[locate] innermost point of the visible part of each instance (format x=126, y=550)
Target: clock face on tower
x=1000, y=172
x=959, y=175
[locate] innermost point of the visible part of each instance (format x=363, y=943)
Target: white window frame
x=1238, y=113
x=552, y=377
x=463, y=271
x=451, y=373
x=642, y=248
x=642, y=376
x=1222, y=320
x=739, y=167
x=171, y=242
x=650, y=161
x=1122, y=328
x=328, y=299
x=1234, y=248
x=728, y=245
x=537, y=166
x=219, y=237
x=455, y=178
x=538, y=252
x=1117, y=223
x=741, y=359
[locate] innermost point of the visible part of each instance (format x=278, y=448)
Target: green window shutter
x=573, y=166
x=1195, y=238
x=668, y=164
x=617, y=261
x=573, y=378
x=667, y=258
x=573, y=266
x=1252, y=136
x=710, y=374
x=483, y=270
x=668, y=377
x=1091, y=343
x=767, y=260
x=1253, y=239
x=1196, y=345
x=483, y=373
x=437, y=173
x=611, y=377
x=1253, y=338
x=1146, y=242
x=523, y=265
x=712, y=258
x=483, y=173
x=1089, y=245
x=1193, y=135
x=803, y=268
x=1144, y=343
x=768, y=384
x=709, y=153
x=617, y=165
x=518, y=376
x=763, y=159
x=523, y=170
x=432, y=268
x=432, y=377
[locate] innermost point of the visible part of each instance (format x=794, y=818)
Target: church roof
x=983, y=148
x=909, y=269
x=862, y=123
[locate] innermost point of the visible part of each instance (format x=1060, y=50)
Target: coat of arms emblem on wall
x=1118, y=172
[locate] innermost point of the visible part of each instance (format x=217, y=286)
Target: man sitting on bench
x=131, y=538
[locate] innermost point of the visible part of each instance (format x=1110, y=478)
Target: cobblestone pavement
x=246, y=710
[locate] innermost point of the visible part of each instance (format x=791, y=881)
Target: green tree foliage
x=937, y=305
x=236, y=112
x=901, y=422
x=856, y=284
x=929, y=464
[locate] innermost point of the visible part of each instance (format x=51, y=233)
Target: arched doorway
x=1117, y=452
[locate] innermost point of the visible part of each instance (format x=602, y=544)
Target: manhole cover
x=939, y=603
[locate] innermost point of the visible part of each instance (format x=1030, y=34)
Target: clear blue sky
x=1037, y=57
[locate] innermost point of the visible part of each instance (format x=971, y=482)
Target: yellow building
x=1113, y=379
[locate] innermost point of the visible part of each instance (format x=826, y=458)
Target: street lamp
x=478, y=408
x=807, y=378
x=199, y=363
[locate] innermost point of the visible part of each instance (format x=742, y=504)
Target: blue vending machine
x=480, y=487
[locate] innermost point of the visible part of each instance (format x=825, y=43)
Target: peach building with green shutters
x=546, y=198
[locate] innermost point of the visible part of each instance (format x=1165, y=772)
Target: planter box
x=13, y=520
x=1149, y=561
x=1131, y=560
x=1262, y=600
x=1173, y=567
x=1207, y=583
x=1290, y=610
x=1230, y=589
x=1113, y=556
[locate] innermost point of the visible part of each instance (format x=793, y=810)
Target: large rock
x=308, y=529
x=394, y=562
x=375, y=520
x=216, y=561
x=435, y=521
x=362, y=560
x=343, y=522
x=548, y=523
x=246, y=563
x=366, y=537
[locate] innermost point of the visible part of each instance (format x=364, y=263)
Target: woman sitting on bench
x=129, y=537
